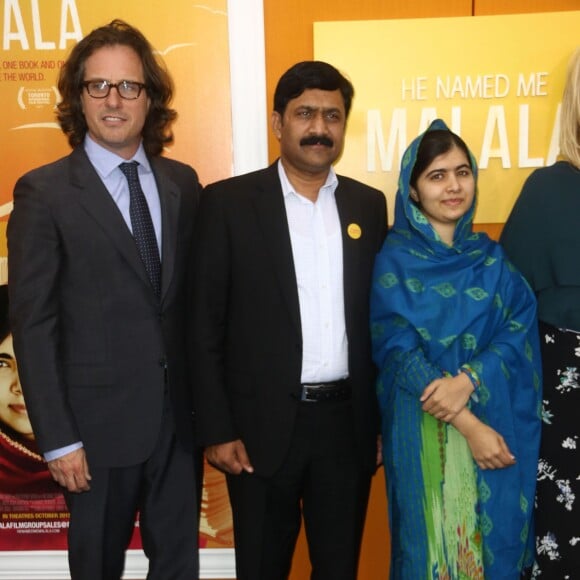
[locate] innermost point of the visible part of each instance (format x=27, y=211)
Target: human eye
x=98, y=87
x=332, y=116
x=304, y=113
x=464, y=172
x=6, y=364
x=130, y=88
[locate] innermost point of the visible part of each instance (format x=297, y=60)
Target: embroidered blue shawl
x=435, y=308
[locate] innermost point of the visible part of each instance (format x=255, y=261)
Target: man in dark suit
x=284, y=377
x=99, y=245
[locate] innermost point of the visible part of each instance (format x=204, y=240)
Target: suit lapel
x=271, y=211
x=97, y=201
x=348, y=211
x=170, y=197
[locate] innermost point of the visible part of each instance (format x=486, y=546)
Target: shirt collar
x=330, y=184
x=105, y=161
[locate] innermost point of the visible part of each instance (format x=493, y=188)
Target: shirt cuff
x=61, y=451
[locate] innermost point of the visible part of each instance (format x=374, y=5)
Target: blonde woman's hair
x=570, y=114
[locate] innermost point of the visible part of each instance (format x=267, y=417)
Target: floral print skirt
x=557, y=501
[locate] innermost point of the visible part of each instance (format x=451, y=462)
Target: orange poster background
x=192, y=39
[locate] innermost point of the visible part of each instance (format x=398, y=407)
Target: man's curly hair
x=158, y=85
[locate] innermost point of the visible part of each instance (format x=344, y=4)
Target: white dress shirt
x=315, y=235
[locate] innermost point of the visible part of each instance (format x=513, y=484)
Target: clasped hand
x=445, y=397
x=488, y=447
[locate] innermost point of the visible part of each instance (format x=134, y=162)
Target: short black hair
x=311, y=74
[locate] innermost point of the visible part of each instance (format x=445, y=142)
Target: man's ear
x=276, y=122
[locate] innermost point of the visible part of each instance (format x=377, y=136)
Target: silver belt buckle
x=305, y=390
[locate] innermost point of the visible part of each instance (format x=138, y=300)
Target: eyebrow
x=102, y=80
x=323, y=109
x=445, y=170
x=6, y=356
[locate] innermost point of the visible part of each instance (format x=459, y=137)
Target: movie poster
x=32, y=509
x=192, y=39
x=496, y=80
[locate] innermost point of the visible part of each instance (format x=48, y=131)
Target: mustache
x=317, y=140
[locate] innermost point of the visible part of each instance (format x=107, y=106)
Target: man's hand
x=230, y=457
x=71, y=471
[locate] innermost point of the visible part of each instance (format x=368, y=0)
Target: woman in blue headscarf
x=455, y=340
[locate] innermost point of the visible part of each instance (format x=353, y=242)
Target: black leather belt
x=332, y=391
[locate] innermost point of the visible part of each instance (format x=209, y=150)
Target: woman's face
x=445, y=191
x=12, y=409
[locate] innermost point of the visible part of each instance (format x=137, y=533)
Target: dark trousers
x=162, y=490
x=322, y=480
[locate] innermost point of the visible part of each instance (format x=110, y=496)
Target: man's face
x=311, y=131
x=113, y=122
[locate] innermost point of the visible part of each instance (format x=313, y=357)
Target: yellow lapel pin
x=354, y=231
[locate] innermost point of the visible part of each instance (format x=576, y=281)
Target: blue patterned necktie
x=142, y=224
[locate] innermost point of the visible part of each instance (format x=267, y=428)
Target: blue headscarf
x=435, y=309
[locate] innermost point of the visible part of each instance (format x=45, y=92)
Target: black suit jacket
x=94, y=345
x=247, y=349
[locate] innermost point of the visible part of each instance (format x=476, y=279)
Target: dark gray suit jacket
x=247, y=348
x=94, y=346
